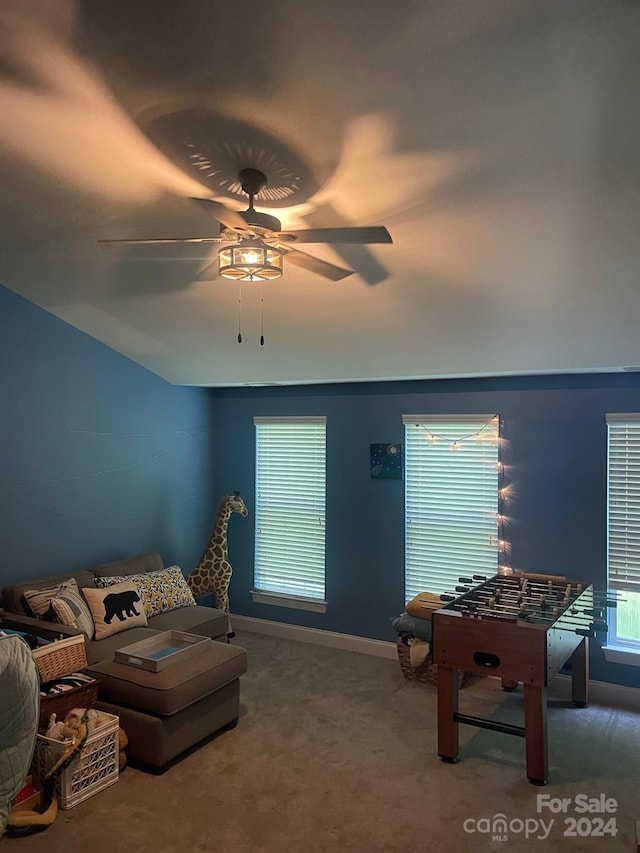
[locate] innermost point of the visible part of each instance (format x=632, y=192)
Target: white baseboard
x=600, y=692
x=347, y=642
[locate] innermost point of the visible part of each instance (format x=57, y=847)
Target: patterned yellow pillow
x=160, y=591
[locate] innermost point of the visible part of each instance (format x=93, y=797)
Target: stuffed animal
x=123, y=740
x=94, y=718
x=55, y=729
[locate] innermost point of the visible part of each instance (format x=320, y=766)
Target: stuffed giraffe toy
x=213, y=572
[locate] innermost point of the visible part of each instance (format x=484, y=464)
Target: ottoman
x=166, y=713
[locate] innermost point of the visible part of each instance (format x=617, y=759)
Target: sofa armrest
x=39, y=627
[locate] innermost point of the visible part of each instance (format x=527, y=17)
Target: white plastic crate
x=93, y=770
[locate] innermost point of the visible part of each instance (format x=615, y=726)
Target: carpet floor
x=336, y=751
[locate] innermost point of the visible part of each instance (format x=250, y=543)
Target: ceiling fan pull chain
x=239, y=313
x=261, y=315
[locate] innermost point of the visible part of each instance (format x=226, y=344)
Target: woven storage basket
x=60, y=704
x=54, y=660
x=61, y=657
x=426, y=673
x=93, y=770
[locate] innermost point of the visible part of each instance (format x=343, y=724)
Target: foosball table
x=520, y=628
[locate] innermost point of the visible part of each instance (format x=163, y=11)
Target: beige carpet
x=336, y=751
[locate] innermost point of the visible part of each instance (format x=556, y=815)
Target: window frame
x=623, y=472
x=465, y=431
x=307, y=480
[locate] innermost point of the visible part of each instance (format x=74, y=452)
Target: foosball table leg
x=535, y=723
x=580, y=674
x=448, y=744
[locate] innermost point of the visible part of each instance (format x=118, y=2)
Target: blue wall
x=555, y=457
x=99, y=458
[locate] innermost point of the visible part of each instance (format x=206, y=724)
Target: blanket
x=19, y=713
x=410, y=626
x=424, y=604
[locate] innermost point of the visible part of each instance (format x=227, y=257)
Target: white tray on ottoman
x=163, y=650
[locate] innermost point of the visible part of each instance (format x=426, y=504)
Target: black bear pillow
x=115, y=609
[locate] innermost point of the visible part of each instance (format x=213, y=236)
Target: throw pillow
x=69, y=608
x=39, y=600
x=160, y=591
x=115, y=609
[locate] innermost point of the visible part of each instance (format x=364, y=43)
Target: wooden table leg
x=447, y=708
x=535, y=724
x=580, y=674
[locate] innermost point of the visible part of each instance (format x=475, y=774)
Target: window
x=290, y=512
x=623, y=529
x=452, y=479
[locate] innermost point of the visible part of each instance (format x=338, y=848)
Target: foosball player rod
x=578, y=623
x=535, y=608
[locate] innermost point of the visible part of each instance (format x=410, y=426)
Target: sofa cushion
x=130, y=566
x=105, y=649
x=160, y=591
x=174, y=688
x=115, y=609
x=205, y=621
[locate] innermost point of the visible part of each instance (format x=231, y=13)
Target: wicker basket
x=93, y=770
x=426, y=673
x=61, y=657
x=61, y=703
x=57, y=659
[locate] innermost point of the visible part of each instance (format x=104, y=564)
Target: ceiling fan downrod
x=252, y=181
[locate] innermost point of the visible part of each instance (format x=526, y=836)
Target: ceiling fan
x=258, y=243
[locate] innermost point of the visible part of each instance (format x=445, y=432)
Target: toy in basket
x=426, y=672
x=414, y=628
x=87, y=759
x=63, y=687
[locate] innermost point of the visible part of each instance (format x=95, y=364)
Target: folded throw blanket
x=410, y=626
x=424, y=604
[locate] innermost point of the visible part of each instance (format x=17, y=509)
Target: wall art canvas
x=386, y=461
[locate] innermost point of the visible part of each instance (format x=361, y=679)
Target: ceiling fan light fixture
x=250, y=260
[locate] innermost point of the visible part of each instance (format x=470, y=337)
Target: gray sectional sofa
x=206, y=621
x=163, y=713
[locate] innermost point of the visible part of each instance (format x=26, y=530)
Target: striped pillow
x=39, y=600
x=62, y=604
x=70, y=609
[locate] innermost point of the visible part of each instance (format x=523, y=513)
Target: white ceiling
x=498, y=141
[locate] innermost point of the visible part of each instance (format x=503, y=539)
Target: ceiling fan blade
x=316, y=265
x=373, y=234
x=156, y=241
x=228, y=217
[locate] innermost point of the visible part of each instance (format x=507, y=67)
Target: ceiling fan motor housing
x=258, y=223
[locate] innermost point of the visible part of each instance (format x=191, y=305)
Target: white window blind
x=451, y=499
x=290, y=506
x=623, y=501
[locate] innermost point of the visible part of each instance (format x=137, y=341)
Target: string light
x=486, y=434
